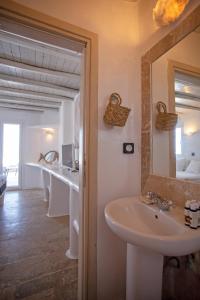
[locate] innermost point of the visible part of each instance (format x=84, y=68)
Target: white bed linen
x=187, y=176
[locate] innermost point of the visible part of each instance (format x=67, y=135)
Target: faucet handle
x=165, y=204
x=152, y=195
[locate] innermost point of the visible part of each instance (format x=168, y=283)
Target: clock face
x=128, y=148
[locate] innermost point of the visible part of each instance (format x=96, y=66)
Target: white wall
x=189, y=121
x=115, y=22
x=66, y=125
x=33, y=139
x=50, y=117
x=150, y=33
x=37, y=140
x=191, y=144
x=29, y=143
x=120, y=47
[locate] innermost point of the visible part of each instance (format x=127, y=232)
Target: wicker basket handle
x=115, y=99
x=161, y=106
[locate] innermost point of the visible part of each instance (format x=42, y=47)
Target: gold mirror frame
x=170, y=40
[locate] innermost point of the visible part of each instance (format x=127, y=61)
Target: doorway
x=39, y=85
x=11, y=154
x=88, y=159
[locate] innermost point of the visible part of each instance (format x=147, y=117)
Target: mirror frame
x=189, y=24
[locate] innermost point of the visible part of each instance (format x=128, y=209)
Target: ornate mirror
x=49, y=157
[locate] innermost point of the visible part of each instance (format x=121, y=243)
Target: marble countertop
x=63, y=173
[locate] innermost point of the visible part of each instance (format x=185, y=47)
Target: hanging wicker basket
x=164, y=120
x=116, y=114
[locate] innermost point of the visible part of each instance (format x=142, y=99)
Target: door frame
x=87, y=278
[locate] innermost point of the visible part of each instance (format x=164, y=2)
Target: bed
x=187, y=176
x=188, y=169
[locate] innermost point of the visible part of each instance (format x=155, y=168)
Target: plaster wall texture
x=33, y=139
x=66, y=125
x=125, y=31
x=116, y=24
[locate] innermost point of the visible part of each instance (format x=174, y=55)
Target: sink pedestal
x=143, y=274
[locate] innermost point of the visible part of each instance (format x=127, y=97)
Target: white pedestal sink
x=150, y=235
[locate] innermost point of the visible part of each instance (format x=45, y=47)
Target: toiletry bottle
x=194, y=212
x=187, y=212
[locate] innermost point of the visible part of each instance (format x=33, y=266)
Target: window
x=178, y=140
x=11, y=148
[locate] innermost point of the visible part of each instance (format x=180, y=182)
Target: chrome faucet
x=162, y=203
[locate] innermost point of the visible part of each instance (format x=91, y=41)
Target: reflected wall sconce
x=190, y=132
x=49, y=132
x=168, y=11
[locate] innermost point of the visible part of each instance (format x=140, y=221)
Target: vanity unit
x=61, y=187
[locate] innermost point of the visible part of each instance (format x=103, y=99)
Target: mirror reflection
x=176, y=82
x=187, y=136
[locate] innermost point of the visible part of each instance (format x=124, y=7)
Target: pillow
x=181, y=164
x=194, y=167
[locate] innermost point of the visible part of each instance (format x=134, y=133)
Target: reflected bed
x=187, y=176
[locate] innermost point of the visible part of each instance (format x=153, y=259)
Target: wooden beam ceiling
x=32, y=95
x=21, y=107
x=36, y=74
x=34, y=85
x=27, y=101
x=41, y=107
x=187, y=106
x=41, y=36
x=187, y=96
x=41, y=71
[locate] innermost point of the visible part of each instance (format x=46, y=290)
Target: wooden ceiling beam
x=41, y=71
x=19, y=100
x=34, y=85
x=187, y=96
x=28, y=106
x=41, y=47
x=187, y=106
x=32, y=95
x=21, y=107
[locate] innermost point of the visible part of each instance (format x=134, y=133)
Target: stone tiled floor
x=33, y=265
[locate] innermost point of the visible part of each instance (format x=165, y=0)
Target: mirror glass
x=176, y=82
x=49, y=157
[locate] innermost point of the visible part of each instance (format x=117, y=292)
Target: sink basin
x=150, y=234
x=146, y=226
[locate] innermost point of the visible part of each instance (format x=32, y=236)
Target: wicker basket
x=164, y=120
x=116, y=114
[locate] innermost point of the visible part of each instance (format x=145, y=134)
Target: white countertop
x=64, y=174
